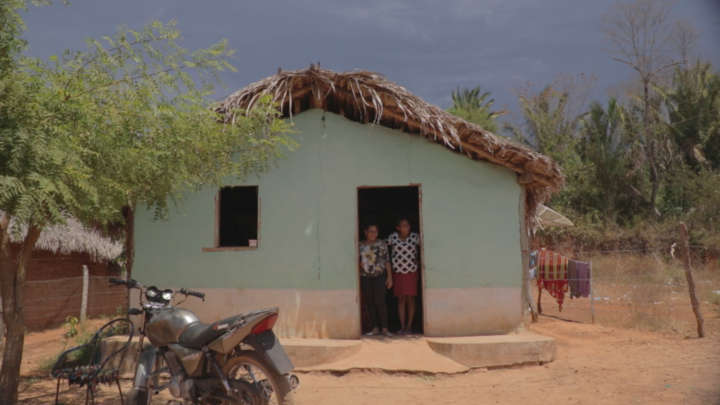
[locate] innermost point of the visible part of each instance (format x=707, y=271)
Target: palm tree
x=693, y=111
x=475, y=106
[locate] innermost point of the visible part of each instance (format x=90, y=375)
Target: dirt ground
x=595, y=364
x=641, y=350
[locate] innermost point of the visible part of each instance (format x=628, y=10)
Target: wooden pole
x=685, y=246
x=86, y=281
x=592, y=298
x=2, y=325
x=526, y=298
x=539, y=305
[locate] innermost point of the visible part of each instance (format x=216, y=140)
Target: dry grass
x=645, y=292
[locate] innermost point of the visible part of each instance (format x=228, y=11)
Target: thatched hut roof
x=73, y=237
x=369, y=97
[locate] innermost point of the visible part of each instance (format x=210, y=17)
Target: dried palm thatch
x=368, y=97
x=72, y=237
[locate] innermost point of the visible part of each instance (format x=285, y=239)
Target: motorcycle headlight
x=151, y=292
x=167, y=295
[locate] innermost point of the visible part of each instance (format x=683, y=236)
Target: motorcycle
x=234, y=361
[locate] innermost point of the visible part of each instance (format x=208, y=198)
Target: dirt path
x=595, y=364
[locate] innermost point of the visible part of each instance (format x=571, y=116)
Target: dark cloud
x=430, y=47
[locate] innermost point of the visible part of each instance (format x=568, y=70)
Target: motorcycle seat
x=200, y=334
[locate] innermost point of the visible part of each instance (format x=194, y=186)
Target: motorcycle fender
x=144, y=369
x=228, y=341
x=268, y=346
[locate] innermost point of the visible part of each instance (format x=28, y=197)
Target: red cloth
x=552, y=274
x=405, y=284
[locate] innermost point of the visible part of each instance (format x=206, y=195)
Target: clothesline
x=664, y=250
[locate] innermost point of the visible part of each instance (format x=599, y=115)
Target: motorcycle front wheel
x=250, y=367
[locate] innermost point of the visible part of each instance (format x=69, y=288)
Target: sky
x=429, y=47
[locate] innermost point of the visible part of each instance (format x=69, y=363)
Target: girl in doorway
x=404, y=245
x=375, y=277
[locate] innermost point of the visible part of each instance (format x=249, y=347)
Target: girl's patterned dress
x=404, y=263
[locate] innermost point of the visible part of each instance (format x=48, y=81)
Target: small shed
x=368, y=148
x=54, y=279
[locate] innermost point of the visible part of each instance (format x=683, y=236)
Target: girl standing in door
x=375, y=278
x=405, y=254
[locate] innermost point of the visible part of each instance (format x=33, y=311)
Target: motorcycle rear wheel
x=246, y=364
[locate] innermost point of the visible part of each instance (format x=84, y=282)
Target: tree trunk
x=12, y=282
x=650, y=146
x=129, y=215
x=685, y=246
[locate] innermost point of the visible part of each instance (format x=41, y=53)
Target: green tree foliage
x=693, y=110
x=603, y=152
x=605, y=147
x=474, y=105
x=127, y=121
x=551, y=127
x=692, y=102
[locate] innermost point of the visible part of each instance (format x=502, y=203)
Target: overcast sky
x=430, y=47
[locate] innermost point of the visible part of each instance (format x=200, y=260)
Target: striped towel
x=552, y=274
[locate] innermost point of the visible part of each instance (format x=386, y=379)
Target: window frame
x=216, y=234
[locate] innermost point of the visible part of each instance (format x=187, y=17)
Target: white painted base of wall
x=335, y=313
x=471, y=311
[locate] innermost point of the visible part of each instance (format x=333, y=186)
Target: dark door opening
x=385, y=206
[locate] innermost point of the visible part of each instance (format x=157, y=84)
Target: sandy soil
x=595, y=364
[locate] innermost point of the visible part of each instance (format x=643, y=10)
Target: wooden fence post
x=592, y=298
x=685, y=246
x=2, y=325
x=85, y=286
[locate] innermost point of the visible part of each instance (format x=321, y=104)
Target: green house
x=369, y=151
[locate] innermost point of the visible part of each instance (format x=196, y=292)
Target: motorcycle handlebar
x=114, y=280
x=193, y=293
x=129, y=283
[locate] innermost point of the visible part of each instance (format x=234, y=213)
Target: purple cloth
x=579, y=278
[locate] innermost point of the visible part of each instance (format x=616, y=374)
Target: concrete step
x=302, y=352
x=313, y=352
x=398, y=354
x=401, y=354
x=497, y=350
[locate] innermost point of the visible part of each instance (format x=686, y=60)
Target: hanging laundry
x=573, y=278
x=552, y=274
x=579, y=278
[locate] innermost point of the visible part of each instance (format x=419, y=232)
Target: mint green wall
x=309, y=212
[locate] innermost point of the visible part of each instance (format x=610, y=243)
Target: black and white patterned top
x=404, y=252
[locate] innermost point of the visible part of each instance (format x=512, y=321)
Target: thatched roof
x=370, y=98
x=73, y=237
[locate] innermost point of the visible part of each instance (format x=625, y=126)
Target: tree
x=474, y=106
x=693, y=114
x=127, y=122
x=605, y=148
x=642, y=35
x=551, y=126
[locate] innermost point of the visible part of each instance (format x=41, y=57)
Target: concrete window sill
x=229, y=248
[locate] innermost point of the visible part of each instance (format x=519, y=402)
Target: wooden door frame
x=422, y=247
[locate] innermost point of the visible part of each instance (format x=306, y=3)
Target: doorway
x=385, y=206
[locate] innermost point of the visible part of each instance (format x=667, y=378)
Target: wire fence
x=640, y=289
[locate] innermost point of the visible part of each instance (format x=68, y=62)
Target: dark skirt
x=405, y=284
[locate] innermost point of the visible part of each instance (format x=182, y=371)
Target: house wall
x=306, y=260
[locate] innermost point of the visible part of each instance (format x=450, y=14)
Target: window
x=237, y=222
